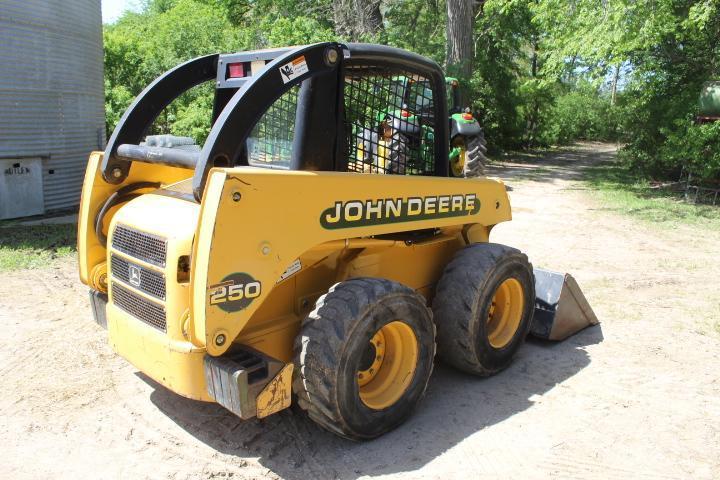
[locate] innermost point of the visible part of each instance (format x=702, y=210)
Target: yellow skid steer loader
x=278, y=261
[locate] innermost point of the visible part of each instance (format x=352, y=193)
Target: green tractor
x=400, y=135
x=709, y=102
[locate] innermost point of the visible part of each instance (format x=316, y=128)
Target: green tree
x=536, y=72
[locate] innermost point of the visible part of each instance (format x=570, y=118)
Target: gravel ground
x=636, y=397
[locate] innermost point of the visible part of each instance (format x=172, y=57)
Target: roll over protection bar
x=140, y=115
x=238, y=114
x=226, y=140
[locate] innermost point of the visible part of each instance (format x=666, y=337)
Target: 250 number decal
x=231, y=293
x=235, y=292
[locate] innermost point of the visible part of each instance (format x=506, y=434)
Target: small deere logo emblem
x=358, y=213
x=134, y=275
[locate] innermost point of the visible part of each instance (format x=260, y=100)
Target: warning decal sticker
x=294, y=267
x=293, y=69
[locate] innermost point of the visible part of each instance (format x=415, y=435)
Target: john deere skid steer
x=316, y=247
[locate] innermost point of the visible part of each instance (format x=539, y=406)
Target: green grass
x=34, y=246
x=621, y=191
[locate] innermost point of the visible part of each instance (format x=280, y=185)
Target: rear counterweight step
x=236, y=378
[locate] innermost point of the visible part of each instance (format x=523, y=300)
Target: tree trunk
x=616, y=77
x=374, y=19
x=533, y=118
x=357, y=19
x=534, y=65
x=460, y=37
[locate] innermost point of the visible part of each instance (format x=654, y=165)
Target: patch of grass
x=34, y=246
x=621, y=191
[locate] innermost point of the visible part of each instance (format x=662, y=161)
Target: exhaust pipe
x=561, y=309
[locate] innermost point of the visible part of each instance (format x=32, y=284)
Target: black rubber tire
x=475, y=159
x=463, y=297
x=329, y=348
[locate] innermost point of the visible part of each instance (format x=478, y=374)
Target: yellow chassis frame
x=290, y=235
x=261, y=221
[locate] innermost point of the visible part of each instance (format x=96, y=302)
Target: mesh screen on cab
x=389, y=121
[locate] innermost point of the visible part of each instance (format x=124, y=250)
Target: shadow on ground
x=456, y=406
x=548, y=166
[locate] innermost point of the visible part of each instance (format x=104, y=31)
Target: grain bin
x=51, y=102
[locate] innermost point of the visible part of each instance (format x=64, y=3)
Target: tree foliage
x=538, y=72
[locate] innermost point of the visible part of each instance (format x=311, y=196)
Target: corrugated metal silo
x=51, y=101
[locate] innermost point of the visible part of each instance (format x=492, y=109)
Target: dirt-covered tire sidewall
x=496, y=359
x=462, y=300
x=362, y=420
x=330, y=347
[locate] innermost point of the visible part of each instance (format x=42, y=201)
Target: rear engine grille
x=146, y=280
x=137, y=306
x=145, y=246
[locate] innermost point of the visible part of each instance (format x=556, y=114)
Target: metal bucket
x=561, y=309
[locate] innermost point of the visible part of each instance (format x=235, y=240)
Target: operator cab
x=325, y=107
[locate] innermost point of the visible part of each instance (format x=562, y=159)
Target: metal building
x=51, y=102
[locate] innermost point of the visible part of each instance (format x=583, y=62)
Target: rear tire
x=363, y=357
x=483, y=307
x=472, y=159
x=476, y=159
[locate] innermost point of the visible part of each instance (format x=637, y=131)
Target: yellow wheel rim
x=388, y=365
x=505, y=313
x=458, y=165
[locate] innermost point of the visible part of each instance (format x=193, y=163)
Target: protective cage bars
x=367, y=108
x=388, y=121
x=270, y=142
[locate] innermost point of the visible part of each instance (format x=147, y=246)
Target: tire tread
x=454, y=306
x=319, y=345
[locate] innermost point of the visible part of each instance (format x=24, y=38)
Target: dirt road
x=638, y=397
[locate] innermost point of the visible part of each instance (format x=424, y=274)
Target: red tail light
x=236, y=70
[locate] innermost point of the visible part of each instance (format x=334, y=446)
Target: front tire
x=363, y=357
x=483, y=307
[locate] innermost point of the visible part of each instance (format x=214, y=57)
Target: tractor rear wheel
x=363, y=357
x=471, y=160
x=483, y=307
x=475, y=157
